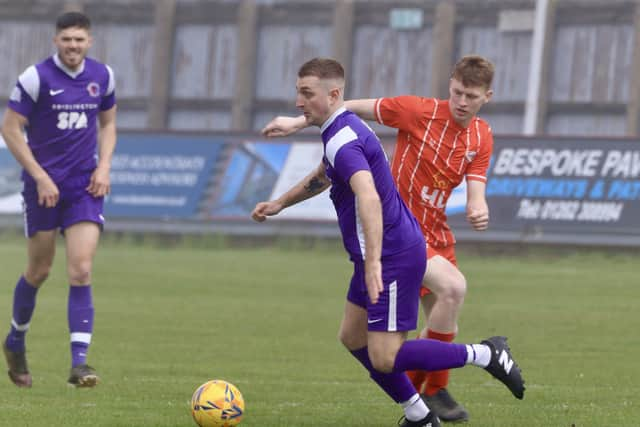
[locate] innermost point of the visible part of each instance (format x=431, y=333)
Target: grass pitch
x=266, y=320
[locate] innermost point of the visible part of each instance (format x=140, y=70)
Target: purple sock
x=429, y=355
x=396, y=385
x=80, y=317
x=24, y=302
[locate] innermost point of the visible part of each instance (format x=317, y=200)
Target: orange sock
x=418, y=379
x=437, y=379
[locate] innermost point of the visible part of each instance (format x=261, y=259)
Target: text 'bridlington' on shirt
x=74, y=106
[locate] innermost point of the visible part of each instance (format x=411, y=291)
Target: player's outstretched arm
x=364, y=108
x=477, y=207
x=370, y=213
x=284, y=126
x=13, y=123
x=311, y=185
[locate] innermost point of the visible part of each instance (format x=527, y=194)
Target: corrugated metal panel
x=504, y=124
x=199, y=120
x=204, y=62
x=509, y=51
x=586, y=125
x=128, y=49
x=131, y=119
x=22, y=44
x=387, y=62
x=281, y=52
x=592, y=64
x=206, y=12
x=129, y=12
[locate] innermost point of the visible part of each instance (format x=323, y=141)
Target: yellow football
x=217, y=403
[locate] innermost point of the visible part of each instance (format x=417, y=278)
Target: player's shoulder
x=44, y=67
x=101, y=73
x=349, y=128
x=408, y=99
x=30, y=73
x=359, y=127
x=346, y=125
x=35, y=70
x=97, y=67
x=30, y=79
x=482, y=125
x=421, y=105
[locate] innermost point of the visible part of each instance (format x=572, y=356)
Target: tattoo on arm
x=314, y=185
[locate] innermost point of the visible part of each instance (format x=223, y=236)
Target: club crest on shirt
x=94, y=89
x=470, y=155
x=440, y=181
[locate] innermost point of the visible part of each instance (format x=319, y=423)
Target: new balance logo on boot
x=503, y=367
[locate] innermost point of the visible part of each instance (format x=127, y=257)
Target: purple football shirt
x=62, y=108
x=350, y=146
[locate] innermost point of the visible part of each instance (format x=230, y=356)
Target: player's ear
x=487, y=96
x=334, y=94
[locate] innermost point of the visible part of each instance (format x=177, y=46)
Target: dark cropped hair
x=72, y=19
x=322, y=68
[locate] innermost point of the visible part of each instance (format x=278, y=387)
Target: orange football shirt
x=433, y=154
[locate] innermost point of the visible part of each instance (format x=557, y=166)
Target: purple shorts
x=75, y=205
x=399, y=302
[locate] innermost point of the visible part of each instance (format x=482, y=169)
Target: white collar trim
x=331, y=118
x=67, y=70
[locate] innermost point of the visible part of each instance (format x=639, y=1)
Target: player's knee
x=382, y=360
x=348, y=340
x=459, y=289
x=37, y=275
x=343, y=338
x=80, y=273
x=455, y=290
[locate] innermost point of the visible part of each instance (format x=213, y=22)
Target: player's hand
x=48, y=193
x=373, y=279
x=478, y=218
x=284, y=126
x=100, y=183
x=265, y=209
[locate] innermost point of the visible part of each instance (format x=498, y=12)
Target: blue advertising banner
x=249, y=178
x=545, y=189
x=10, y=182
x=160, y=175
x=585, y=186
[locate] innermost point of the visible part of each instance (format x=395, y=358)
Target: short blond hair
x=322, y=68
x=474, y=70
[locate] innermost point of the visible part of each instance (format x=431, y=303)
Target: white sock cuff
x=413, y=399
x=21, y=328
x=83, y=337
x=471, y=354
x=415, y=408
x=478, y=355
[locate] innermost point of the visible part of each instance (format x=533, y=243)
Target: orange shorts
x=447, y=252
